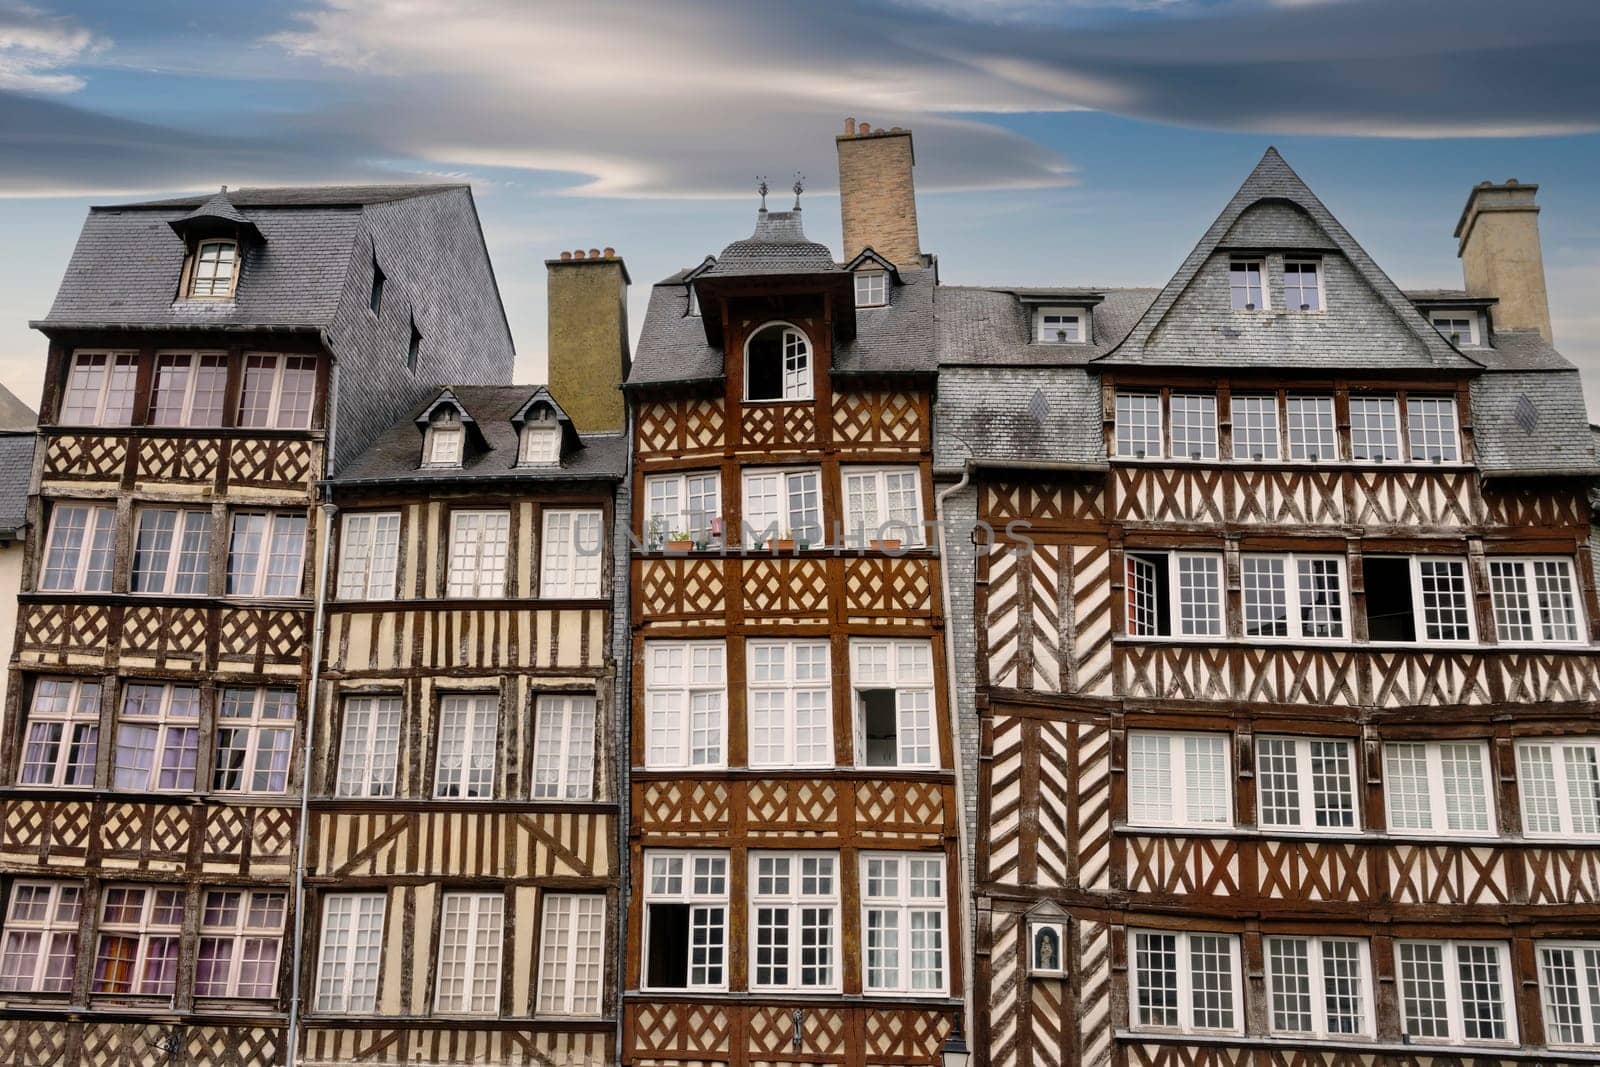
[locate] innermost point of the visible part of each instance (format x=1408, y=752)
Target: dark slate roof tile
x=301, y=196
x=989, y=326
x=1012, y=414
x=1556, y=439
x=16, y=471
x=778, y=246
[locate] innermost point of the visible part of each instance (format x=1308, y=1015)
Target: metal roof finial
x=799, y=187
x=762, y=189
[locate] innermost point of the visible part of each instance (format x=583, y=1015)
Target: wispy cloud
x=35, y=46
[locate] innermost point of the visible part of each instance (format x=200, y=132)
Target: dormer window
x=1244, y=285
x=1302, y=284
x=777, y=364
x=694, y=301
x=541, y=445
x=446, y=440
x=375, y=295
x=1460, y=327
x=872, y=288
x=215, y=270
x=1058, y=326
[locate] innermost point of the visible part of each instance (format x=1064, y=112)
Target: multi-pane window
x=469, y=729
x=1152, y=608
x=1255, y=426
x=352, y=948
x=1438, y=787
x=1319, y=986
x=1559, y=780
x=266, y=553
x=794, y=921
x=789, y=707
x=778, y=364
x=541, y=446
x=1139, y=425
x=369, y=555
x=1059, y=326
x=1374, y=429
x=1299, y=597
x=1446, y=607
x=470, y=938
x=1184, y=981
x=872, y=288
x=1313, y=433
x=1306, y=783
x=1194, y=425
x=572, y=954
x=563, y=747
x=158, y=738
x=241, y=939
x=1179, y=779
x=172, y=552
x=216, y=263
x=1569, y=988
x=255, y=732
x=1460, y=328
x=188, y=389
x=573, y=556
x=479, y=546
x=903, y=922
x=63, y=733
x=446, y=443
x=1534, y=600
x=100, y=389
x=883, y=503
x=1431, y=426
x=1456, y=992
x=1412, y=598
x=141, y=928
x=81, y=549
x=277, y=391
x=40, y=951
x=369, y=746
x=1301, y=288
x=892, y=684
x=685, y=920
x=782, y=504
x=685, y=703
x=682, y=503
x=1245, y=289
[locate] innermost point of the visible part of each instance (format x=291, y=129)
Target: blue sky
x=1071, y=142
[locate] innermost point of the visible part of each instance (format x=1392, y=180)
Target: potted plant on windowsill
x=784, y=542
x=885, y=544
x=680, y=541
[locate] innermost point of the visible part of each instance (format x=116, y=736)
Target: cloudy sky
x=1058, y=141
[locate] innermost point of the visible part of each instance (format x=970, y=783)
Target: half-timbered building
x=793, y=826
x=1284, y=649
x=210, y=359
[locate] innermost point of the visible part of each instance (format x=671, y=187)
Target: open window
x=1412, y=598
x=1174, y=594
x=893, y=686
x=777, y=364
x=685, y=920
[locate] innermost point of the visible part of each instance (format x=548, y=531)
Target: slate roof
x=1014, y=414
x=395, y=456
x=301, y=196
x=1532, y=423
x=777, y=247
x=14, y=414
x=16, y=470
x=990, y=326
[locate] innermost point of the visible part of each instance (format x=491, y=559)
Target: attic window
x=1058, y=326
x=1244, y=285
x=872, y=288
x=541, y=445
x=777, y=364
x=1302, y=284
x=694, y=301
x=215, y=269
x=446, y=440
x=375, y=297
x=1459, y=326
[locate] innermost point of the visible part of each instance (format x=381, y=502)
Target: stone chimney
x=876, y=196
x=1500, y=255
x=588, y=336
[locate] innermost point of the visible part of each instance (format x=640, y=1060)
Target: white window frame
x=564, y=735
x=369, y=746
x=797, y=373
x=1300, y=263
x=214, y=277
x=1437, y=796
x=350, y=955
x=1142, y=600
x=672, y=692
x=774, y=692
x=280, y=555
x=74, y=708
x=786, y=520
x=1295, y=625
x=109, y=402
x=47, y=941
x=668, y=508
x=97, y=538
x=572, y=955
x=1446, y=430
x=188, y=542
x=1555, y=795
x=1262, y=286
x=1311, y=419
x=877, y=519
x=447, y=443
x=1196, y=414
x=1372, y=427
x=1518, y=577
x=1180, y=791
x=1305, y=782
x=572, y=554
x=778, y=886
x=1256, y=414
x=147, y=929
x=262, y=723
x=251, y=931
x=1582, y=1012
x=541, y=445
x=699, y=878
x=1445, y=321
x=1127, y=446
x=480, y=942
x=1419, y=612
x=175, y=735
x=1184, y=975
x=1317, y=977
x=905, y=667
x=369, y=555
x=1044, y=329
x=872, y=288
x=195, y=365
x=1452, y=984
x=476, y=569
x=284, y=368
x=465, y=763
x=909, y=907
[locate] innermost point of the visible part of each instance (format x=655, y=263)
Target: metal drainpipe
x=319, y=601
x=623, y=728
x=953, y=694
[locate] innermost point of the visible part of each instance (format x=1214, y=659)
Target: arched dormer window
x=777, y=364
x=446, y=440
x=214, y=270
x=541, y=444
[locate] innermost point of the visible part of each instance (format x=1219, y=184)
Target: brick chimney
x=588, y=336
x=876, y=196
x=1500, y=255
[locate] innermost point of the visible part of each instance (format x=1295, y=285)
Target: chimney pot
x=611, y=253
x=566, y=255
x=578, y=254
x=594, y=253
x=849, y=127
x=1512, y=181
x=877, y=196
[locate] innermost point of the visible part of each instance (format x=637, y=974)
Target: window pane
x=1139, y=425
x=1374, y=429
x=1194, y=426
x=1311, y=428
x=1431, y=424
x=1255, y=427
x=1200, y=595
